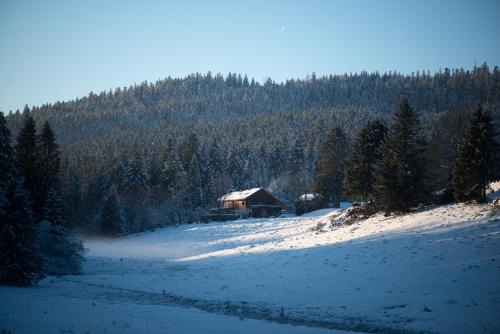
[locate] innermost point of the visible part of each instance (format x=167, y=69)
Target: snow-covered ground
x=433, y=271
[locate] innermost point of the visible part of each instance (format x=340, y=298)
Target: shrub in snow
x=357, y=213
x=62, y=252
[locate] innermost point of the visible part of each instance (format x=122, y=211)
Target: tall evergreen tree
x=441, y=152
x=26, y=152
x=47, y=162
x=399, y=176
x=7, y=162
x=110, y=217
x=153, y=171
x=174, y=182
x=365, y=155
x=330, y=167
x=296, y=170
x=19, y=262
x=73, y=199
x=134, y=191
x=170, y=164
x=194, y=184
x=188, y=149
x=232, y=167
x=476, y=161
x=218, y=180
x=207, y=179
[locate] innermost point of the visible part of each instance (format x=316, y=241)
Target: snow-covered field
x=433, y=271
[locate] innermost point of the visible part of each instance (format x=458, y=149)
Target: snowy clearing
x=432, y=271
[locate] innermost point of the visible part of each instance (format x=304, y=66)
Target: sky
x=60, y=50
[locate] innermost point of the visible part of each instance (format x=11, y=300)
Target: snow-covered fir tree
x=362, y=161
x=330, y=167
x=20, y=263
x=26, y=155
x=7, y=162
x=476, y=163
x=111, y=219
x=400, y=175
x=47, y=160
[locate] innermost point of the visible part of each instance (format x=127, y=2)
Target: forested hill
x=213, y=133
x=208, y=98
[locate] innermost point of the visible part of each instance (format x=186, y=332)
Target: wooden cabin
x=255, y=202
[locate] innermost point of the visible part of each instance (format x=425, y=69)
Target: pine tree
x=365, y=155
x=74, y=199
x=169, y=167
x=399, y=176
x=232, y=166
x=7, y=162
x=26, y=152
x=194, y=184
x=295, y=171
x=153, y=171
x=330, y=167
x=47, y=167
x=441, y=152
x=277, y=159
x=48, y=155
x=133, y=193
x=476, y=162
x=62, y=253
x=207, y=179
x=110, y=217
x=188, y=149
x=174, y=182
x=92, y=193
x=19, y=261
x=218, y=180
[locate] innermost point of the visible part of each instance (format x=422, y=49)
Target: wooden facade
x=233, y=204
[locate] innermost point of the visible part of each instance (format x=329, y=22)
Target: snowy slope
x=433, y=271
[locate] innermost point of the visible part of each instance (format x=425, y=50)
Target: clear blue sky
x=60, y=50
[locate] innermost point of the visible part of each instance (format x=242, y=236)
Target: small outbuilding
x=309, y=202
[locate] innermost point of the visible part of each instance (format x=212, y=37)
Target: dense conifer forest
x=161, y=153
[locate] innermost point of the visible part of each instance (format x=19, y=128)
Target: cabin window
x=242, y=203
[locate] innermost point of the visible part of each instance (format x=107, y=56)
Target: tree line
x=387, y=166
x=35, y=236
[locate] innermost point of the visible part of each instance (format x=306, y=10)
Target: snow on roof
x=307, y=197
x=239, y=195
x=494, y=190
x=494, y=186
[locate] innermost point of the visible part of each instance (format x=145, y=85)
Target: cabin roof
x=307, y=197
x=239, y=195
